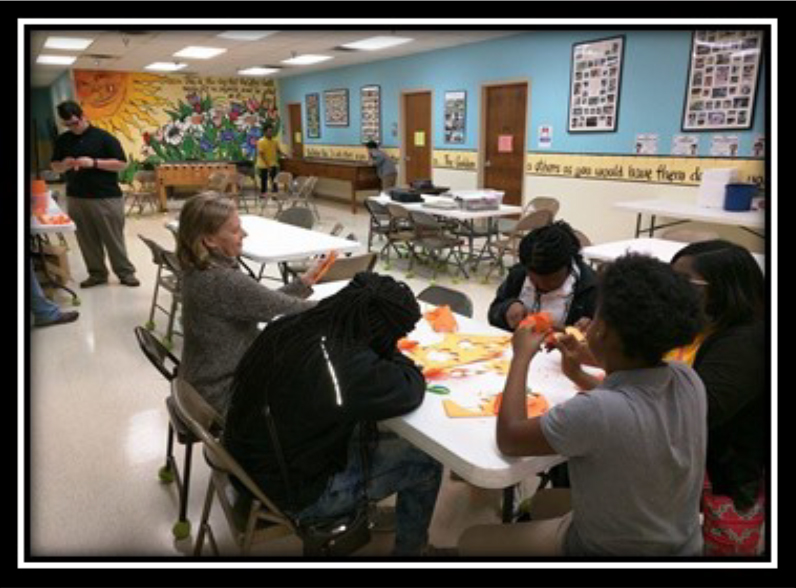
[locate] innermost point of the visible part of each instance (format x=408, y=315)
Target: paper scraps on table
x=536, y=404
x=443, y=359
x=441, y=319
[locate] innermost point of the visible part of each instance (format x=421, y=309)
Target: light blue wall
x=651, y=100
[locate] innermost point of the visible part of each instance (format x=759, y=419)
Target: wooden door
x=417, y=136
x=504, y=151
x=296, y=134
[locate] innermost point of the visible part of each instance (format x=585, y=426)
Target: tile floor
x=97, y=422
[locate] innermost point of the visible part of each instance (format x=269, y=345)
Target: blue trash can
x=738, y=197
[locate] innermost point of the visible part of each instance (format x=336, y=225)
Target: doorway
x=296, y=141
x=416, y=144
x=505, y=113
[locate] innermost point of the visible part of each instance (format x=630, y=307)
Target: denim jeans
x=394, y=466
x=44, y=310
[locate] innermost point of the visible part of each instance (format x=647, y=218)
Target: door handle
x=407, y=158
x=487, y=163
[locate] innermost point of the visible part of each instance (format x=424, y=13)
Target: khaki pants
x=388, y=182
x=542, y=537
x=100, y=228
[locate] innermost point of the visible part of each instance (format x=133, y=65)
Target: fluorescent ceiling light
x=376, y=43
x=68, y=43
x=258, y=71
x=56, y=59
x=245, y=35
x=166, y=66
x=306, y=59
x=199, y=52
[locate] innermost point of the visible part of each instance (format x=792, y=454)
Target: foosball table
x=191, y=174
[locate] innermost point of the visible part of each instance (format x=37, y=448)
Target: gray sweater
x=221, y=307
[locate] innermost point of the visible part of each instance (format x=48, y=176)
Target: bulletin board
x=722, y=80
x=595, y=82
x=455, y=116
x=335, y=106
x=313, y=112
x=370, y=105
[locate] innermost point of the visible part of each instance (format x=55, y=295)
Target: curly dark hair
x=547, y=249
x=651, y=307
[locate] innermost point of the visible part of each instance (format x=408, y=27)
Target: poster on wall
x=313, y=110
x=455, y=112
x=595, y=80
x=370, y=105
x=335, y=106
x=722, y=80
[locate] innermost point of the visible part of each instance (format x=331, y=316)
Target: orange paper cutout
x=441, y=319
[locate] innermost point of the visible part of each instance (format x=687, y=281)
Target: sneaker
x=92, y=281
x=66, y=317
x=131, y=281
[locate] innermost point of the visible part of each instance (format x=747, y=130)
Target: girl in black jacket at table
x=551, y=276
x=730, y=357
x=327, y=374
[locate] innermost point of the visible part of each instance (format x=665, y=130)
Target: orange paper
x=539, y=322
x=405, y=344
x=442, y=320
x=536, y=405
x=327, y=263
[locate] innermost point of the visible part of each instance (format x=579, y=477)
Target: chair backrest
x=534, y=220
x=156, y=250
x=297, y=216
x=545, y=203
x=145, y=179
x=345, y=268
x=379, y=215
x=158, y=355
x=459, y=302
x=201, y=418
x=218, y=181
x=582, y=238
x=283, y=180
x=426, y=225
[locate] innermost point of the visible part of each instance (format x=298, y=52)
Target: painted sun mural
x=162, y=117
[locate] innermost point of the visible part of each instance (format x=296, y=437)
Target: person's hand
x=83, y=163
x=571, y=356
x=526, y=343
x=515, y=313
x=313, y=272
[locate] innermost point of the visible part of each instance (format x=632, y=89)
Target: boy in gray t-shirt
x=636, y=441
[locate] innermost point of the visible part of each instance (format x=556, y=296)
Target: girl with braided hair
x=326, y=375
x=551, y=277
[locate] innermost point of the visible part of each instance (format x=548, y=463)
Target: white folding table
x=466, y=218
x=753, y=221
x=662, y=249
x=269, y=241
x=39, y=233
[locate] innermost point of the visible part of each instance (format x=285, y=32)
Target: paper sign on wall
x=297, y=137
x=505, y=143
x=420, y=138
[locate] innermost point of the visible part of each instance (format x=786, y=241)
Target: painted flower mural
x=201, y=130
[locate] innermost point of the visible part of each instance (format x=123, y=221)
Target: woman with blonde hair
x=221, y=305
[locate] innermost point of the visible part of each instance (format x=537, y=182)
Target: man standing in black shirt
x=90, y=158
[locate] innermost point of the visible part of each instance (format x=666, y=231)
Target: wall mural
x=160, y=117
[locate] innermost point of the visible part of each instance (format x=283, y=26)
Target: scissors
x=437, y=389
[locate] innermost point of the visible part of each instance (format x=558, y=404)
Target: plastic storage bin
x=738, y=197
